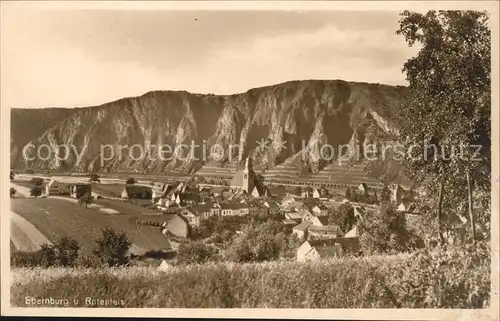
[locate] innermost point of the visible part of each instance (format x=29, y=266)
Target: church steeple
x=248, y=176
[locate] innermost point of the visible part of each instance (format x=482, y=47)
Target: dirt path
x=24, y=235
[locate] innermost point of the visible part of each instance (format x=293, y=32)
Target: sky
x=75, y=58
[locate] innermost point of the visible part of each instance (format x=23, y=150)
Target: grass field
x=437, y=280
x=56, y=218
x=125, y=207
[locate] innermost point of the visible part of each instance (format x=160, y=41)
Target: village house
x=234, y=209
x=293, y=216
x=191, y=216
x=288, y=200
x=363, y=188
x=301, y=230
x=318, y=220
x=263, y=192
x=177, y=225
x=322, y=249
x=306, y=192
x=215, y=210
x=324, y=232
x=316, y=208
x=273, y=207
x=277, y=192
x=315, y=250
x=354, y=232
x=305, y=214
x=289, y=223
x=217, y=191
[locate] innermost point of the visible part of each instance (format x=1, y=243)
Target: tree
x=343, y=217
x=112, y=248
x=85, y=199
x=66, y=251
x=262, y=242
x=447, y=107
x=385, y=231
x=12, y=192
x=36, y=191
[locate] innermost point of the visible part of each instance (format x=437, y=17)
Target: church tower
x=248, y=176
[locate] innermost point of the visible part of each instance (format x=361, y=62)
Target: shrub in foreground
x=62, y=253
x=456, y=278
x=112, y=248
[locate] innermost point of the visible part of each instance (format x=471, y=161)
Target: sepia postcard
x=250, y=159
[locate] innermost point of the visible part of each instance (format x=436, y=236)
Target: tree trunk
x=440, y=211
x=471, y=211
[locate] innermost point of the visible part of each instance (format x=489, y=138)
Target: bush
x=112, y=248
x=36, y=191
x=12, y=191
x=88, y=261
x=130, y=180
x=62, y=253
x=194, y=252
x=27, y=259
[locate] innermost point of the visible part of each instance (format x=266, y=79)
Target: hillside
x=290, y=116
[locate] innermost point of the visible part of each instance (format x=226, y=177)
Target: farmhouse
x=57, y=188
x=78, y=190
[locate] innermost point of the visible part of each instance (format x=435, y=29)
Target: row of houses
x=195, y=213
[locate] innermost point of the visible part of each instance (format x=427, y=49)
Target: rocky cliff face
x=287, y=117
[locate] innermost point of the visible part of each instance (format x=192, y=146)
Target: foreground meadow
x=437, y=279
